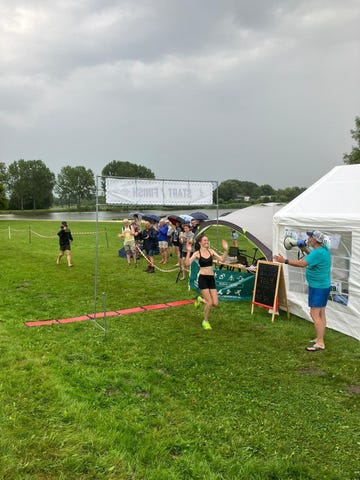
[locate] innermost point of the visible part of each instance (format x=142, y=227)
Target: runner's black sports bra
x=205, y=262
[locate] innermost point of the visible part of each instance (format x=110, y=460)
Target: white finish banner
x=130, y=191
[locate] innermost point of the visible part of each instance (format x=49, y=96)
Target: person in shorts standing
x=186, y=238
x=128, y=234
x=65, y=239
x=235, y=236
x=318, y=275
x=163, y=240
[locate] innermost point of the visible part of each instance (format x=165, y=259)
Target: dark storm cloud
x=230, y=89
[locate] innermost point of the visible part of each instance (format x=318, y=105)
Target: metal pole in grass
x=106, y=238
x=29, y=234
x=104, y=308
x=217, y=201
x=96, y=244
x=217, y=213
x=9, y=232
x=96, y=253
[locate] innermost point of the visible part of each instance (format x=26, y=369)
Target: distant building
x=243, y=198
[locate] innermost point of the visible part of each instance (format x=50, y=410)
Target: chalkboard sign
x=269, y=290
x=266, y=284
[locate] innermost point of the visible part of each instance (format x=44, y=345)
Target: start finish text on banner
x=120, y=191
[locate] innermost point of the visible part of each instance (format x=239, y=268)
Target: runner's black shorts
x=206, y=282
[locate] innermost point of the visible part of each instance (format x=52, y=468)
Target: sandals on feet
x=314, y=348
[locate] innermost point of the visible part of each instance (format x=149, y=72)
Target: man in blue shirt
x=163, y=240
x=318, y=267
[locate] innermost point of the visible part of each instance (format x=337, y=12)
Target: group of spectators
x=162, y=237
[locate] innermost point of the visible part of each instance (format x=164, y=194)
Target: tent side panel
x=344, y=318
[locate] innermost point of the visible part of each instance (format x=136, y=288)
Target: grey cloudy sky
x=259, y=90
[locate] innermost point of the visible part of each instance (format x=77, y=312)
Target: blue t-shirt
x=319, y=267
x=163, y=233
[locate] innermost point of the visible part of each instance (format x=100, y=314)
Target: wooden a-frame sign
x=270, y=289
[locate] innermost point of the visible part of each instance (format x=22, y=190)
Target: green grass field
x=156, y=397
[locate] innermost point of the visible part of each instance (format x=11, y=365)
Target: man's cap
x=317, y=235
x=64, y=224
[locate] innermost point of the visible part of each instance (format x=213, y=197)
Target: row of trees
x=29, y=184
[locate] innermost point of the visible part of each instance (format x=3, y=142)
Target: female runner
x=206, y=280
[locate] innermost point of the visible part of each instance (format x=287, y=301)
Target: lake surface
x=108, y=216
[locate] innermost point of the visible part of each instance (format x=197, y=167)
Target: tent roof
x=335, y=197
x=255, y=221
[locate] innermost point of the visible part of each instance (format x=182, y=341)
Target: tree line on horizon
x=30, y=185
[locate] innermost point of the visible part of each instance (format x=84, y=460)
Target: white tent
x=332, y=205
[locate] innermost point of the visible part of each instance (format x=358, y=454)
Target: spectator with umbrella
x=150, y=244
x=197, y=218
x=200, y=216
x=194, y=225
x=153, y=219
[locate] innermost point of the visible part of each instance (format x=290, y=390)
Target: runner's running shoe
x=206, y=325
x=197, y=302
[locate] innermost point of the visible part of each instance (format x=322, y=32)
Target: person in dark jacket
x=65, y=239
x=149, y=237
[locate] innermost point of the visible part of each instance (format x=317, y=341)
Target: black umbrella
x=180, y=218
x=150, y=217
x=175, y=218
x=139, y=214
x=199, y=216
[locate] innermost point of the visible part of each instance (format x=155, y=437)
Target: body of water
x=107, y=216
